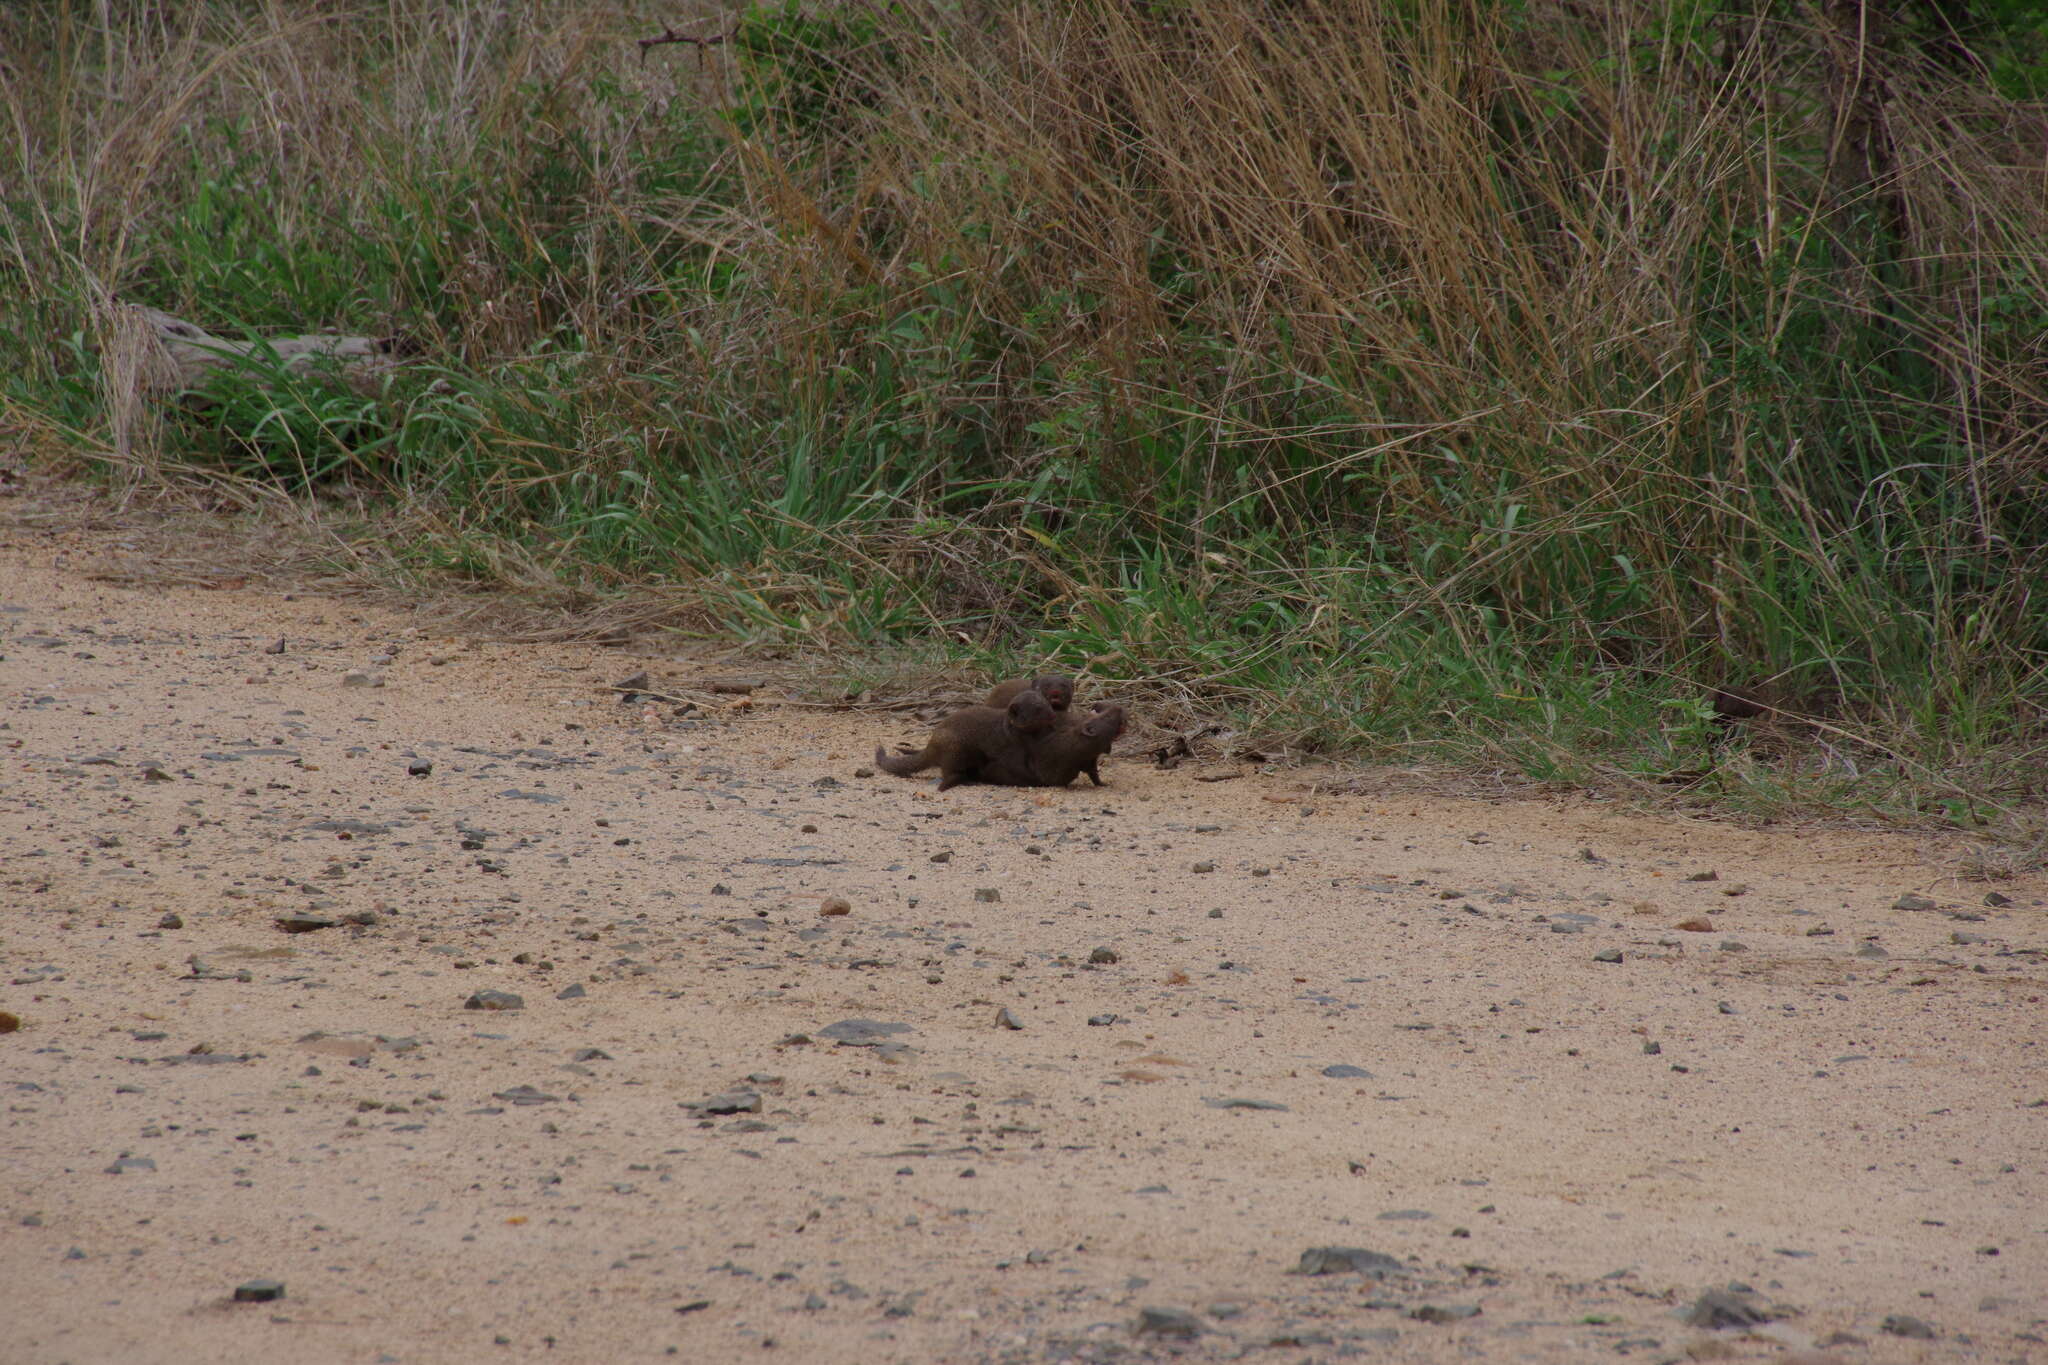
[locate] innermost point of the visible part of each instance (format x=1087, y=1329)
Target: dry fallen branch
x=669, y=35
x=163, y=353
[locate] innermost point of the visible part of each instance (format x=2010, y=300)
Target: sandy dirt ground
x=1252, y=1018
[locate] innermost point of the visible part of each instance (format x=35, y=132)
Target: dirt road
x=1253, y=1019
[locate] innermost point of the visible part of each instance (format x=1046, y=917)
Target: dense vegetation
x=1409, y=375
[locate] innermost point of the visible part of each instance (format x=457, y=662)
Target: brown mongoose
x=1054, y=758
x=1055, y=689
x=976, y=738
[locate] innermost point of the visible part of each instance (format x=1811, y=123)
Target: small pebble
x=494, y=1000
x=835, y=905
x=259, y=1291
x=171, y=921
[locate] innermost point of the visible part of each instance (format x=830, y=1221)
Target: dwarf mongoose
x=1055, y=689
x=969, y=741
x=1054, y=758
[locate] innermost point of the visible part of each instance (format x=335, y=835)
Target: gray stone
x=259, y=1291
x=524, y=1094
x=300, y=922
x=419, y=767
x=1343, y=1260
x=1445, y=1312
x=1236, y=1103
x=1718, y=1308
x=1006, y=1018
x=1345, y=1072
x=860, y=1032
x=494, y=1000
x=1168, y=1322
x=1906, y=1325
x=131, y=1163
x=1103, y=955
x=1608, y=955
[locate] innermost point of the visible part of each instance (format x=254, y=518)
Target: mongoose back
x=975, y=739
x=1057, y=690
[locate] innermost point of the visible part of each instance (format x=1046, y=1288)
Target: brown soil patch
x=1853, y=1135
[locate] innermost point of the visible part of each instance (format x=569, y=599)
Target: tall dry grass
x=1396, y=372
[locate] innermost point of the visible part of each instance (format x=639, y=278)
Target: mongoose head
x=1106, y=724
x=1030, y=713
x=1057, y=691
